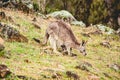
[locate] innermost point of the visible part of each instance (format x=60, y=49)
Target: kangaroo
x=59, y=33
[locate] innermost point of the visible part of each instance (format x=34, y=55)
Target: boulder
x=78, y=23
x=26, y=1
x=84, y=66
x=11, y=34
x=4, y=71
x=66, y=16
x=63, y=14
x=115, y=67
x=2, y=15
x=105, y=44
x=91, y=30
x=42, y=15
x=0, y=4
x=105, y=29
x=73, y=75
x=56, y=76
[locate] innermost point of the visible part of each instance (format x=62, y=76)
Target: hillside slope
x=31, y=60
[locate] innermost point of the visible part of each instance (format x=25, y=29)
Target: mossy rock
x=63, y=14
x=105, y=29
x=78, y=23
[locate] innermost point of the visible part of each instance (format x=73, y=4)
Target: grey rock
x=84, y=66
x=63, y=14
x=4, y=71
x=114, y=66
x=78, y=23
x=105, y=29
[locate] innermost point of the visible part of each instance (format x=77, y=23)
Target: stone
x=78, y=23
x=11, y=34
x=105, y=29
x=115, y=67
x=72, y=75
x=4, y=71
x=63, y=14
x=105, y=44
x=84, y=66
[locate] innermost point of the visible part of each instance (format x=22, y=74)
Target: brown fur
x=68, y=30
x=60, y=33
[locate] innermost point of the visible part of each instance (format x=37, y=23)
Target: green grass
x=30, y=60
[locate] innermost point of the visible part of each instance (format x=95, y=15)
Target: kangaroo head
x=82, y=48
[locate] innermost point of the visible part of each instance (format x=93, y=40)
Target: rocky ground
x=27, y=59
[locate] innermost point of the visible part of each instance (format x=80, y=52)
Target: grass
x=30, y=60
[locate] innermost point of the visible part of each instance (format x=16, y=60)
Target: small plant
x=2, y=53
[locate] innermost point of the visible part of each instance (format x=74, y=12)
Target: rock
x=8, y=4
x=72, y=75
x=2, y=15
x=66, y=16
x=11, y=34
x=9, y=18
x=84, y=66
x=1, y=4
x=107, y=75
x=42, y=15
x=7, y=54
x=91, y=30
x=78, y=23
x=105, y=44
x=1, y=47
x=105, y=29
x=99, y=29
x=96, y=32
x=26, y=6
x=63, y=14
x=34, y=19
x=26, y=1
x=46, y=76
x=56, y=76
x=30, y=6
x=114, y=66
x=25, y=77
x=4, y=71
